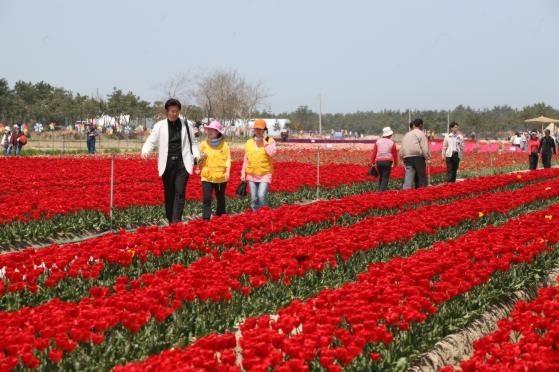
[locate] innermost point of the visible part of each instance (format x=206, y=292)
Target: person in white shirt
x=516, y=139
x=6, y=140
x=177, y=155
x=523, y=142
x=453, y=151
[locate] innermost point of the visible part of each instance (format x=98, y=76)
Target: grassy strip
x=494, y=171
x=196, y=318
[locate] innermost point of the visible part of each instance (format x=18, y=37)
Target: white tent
x=110, y=121
x=552, y=128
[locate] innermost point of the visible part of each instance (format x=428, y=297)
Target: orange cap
x=259, y=124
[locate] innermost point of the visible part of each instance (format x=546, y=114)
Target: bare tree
x=178, y=86
x=254, y=96
x=226, y=96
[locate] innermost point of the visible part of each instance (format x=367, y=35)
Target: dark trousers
x=174, y=179
x=417, y=166
x=452, y=167
x=546, y=160
x=384, y=167
x=91, y=145
x=533, y=158
x=207, y=188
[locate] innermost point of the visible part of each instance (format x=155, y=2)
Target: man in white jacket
x=453, y=151
x=177, y=155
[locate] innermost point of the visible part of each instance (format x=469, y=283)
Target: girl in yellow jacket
x=257, y=164
x=215, y=159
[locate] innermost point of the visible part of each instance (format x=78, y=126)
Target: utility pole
x=320, y=115
x=317, y=172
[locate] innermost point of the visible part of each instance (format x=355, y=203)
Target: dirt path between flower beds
x=459, y=346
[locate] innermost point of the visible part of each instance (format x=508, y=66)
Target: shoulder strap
x=189, y=138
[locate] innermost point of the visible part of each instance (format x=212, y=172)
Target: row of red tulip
x=528, y=340
x=67, y=185
x=133, y=302
x=70, y=184
x=23, y=269
x=335, y=326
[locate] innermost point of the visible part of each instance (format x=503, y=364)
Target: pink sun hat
x=214, y=125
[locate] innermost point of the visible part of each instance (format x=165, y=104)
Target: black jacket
x=547, y=145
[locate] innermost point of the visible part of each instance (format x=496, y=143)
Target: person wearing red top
x=385, y=155
x=533, y=150
x=15, y=141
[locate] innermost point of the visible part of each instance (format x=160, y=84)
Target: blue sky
x=354, y=54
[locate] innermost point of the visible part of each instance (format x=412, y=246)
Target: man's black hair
x=172, y=102
x=416, y=123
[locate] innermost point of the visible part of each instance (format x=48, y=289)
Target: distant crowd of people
x=538, y=147
x=415, y=154
x=13, y=140
x=414, y=151
x=180, y=154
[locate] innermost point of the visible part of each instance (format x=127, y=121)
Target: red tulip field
x=353, y=279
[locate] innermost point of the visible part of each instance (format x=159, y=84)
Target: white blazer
x=160, y=137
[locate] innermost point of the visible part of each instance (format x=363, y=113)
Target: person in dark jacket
x=547, y=149
x=533, y=150
x=90, y=134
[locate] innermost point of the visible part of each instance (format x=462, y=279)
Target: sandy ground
x=62, y=144
x=135, y=145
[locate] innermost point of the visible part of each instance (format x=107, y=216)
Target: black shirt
x=547, y=145
x=175, y=139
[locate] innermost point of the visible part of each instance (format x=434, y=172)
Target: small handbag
x=242, y=189
x=373, y=171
